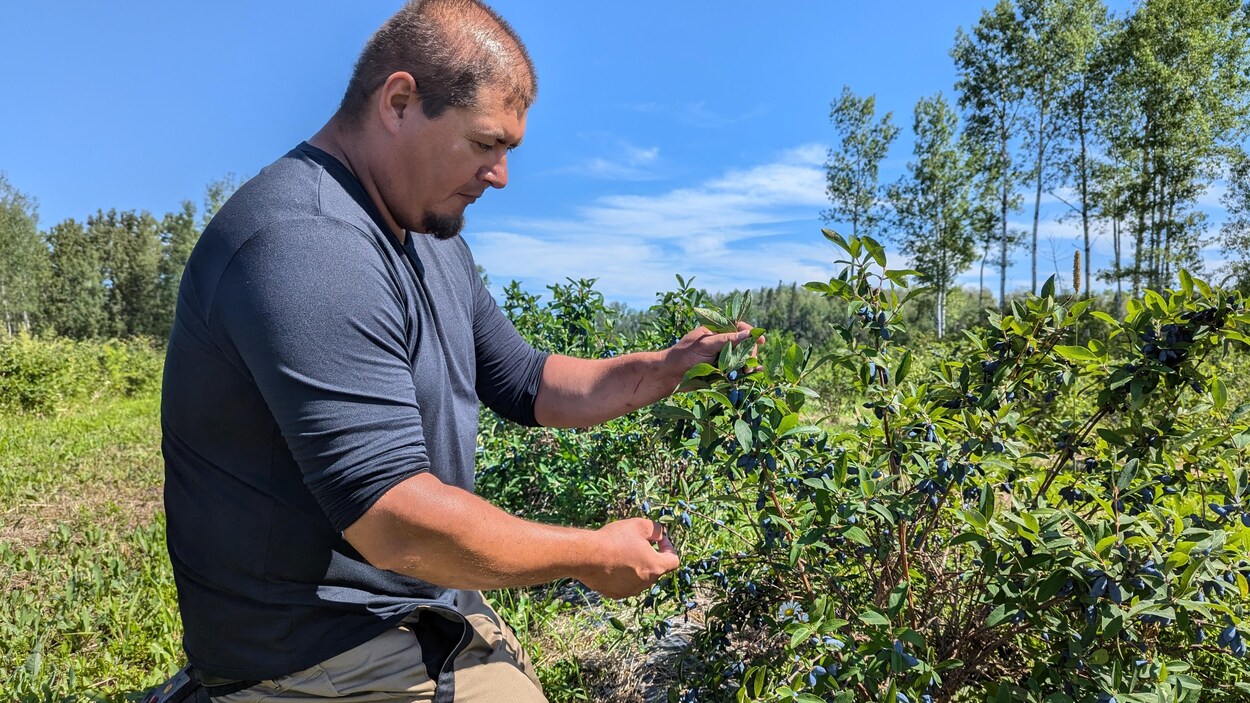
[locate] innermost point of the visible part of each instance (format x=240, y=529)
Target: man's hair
x=452, y=48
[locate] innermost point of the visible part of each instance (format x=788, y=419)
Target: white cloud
x=747, y=227
x=697, y=113
x=629, y=163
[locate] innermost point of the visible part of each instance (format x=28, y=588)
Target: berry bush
x=1029, y=519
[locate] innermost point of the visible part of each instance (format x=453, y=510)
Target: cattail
x=1076, y=272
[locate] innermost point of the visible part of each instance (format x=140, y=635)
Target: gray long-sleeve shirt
x=315, y=363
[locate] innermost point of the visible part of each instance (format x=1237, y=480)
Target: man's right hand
x=630, y=562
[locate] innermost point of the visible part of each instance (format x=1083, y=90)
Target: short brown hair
x=451, y=48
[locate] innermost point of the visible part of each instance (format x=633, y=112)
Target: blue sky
x=668, y=138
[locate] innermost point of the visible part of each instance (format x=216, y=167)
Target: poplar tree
x=74, y=306
x=23, y=259
x=1181, y=99
x=1046, y=68
x=932, y=204
x=130, y=248
x=179, y=233
x=991, y=94
x=1235, y=232
x=852, y=167
x=1080, y=106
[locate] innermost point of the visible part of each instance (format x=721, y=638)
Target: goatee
x=442, y=226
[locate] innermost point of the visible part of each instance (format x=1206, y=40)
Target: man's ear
x=396, y=99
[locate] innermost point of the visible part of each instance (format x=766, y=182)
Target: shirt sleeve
x=509, y=370
x=315, y=313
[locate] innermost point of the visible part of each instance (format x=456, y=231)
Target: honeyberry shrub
x=570, y=476
x=967, y=538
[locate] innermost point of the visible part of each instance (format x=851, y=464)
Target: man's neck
x=343, y=145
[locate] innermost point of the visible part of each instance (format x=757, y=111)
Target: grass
x=87, y=602
x=88, y=608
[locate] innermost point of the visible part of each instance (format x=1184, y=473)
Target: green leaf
x=714, y=320
x=671, y=412
x=1100, y=315
x=1075, y=353
x=998, y=615
x=969, y=537
x=975, y=517
x=836, y=239
x=743, y=432
x=1048, y=288
x=1187, y=283
x=875, y=250
x=895, y=602
x=1105, y=543
x=1219, y=394
x=698, y=370
x=787, y=423
x=872, y=617
x=904, y=367
x=857, y=535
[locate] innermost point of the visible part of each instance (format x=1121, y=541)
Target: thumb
x=666, y=545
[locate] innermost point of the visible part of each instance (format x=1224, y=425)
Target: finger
x=666, y=545
x=668, y=561
x=657, y=533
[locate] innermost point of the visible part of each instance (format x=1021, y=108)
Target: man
x=331, y=343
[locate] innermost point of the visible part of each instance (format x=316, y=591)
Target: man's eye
x=483, y=146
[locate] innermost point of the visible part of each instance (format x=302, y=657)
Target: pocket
x=312, y=682
x=388, y=663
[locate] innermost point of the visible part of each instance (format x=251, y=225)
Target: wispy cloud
x=746, y=227
x=698, y=114
x=628, y=163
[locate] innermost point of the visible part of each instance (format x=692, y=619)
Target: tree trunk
x=1037, y=199
x=1080, y=122
x=1002, y=261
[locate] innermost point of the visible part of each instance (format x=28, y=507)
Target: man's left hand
x=701, y=345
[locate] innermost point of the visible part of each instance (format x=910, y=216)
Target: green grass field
x=87, y=601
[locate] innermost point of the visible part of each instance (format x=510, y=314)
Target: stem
x=802, y=568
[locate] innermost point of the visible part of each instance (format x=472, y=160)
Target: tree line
x=1126, y=119
x=114, y=275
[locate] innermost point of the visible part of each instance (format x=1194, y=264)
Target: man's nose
x=497, y=174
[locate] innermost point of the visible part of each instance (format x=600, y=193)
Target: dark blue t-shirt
x=312, y=366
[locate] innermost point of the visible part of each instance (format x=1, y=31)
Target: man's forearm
x=584, y=392
x=452, y=538
x=449, y=537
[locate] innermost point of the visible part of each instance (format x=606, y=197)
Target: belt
x=215, y=687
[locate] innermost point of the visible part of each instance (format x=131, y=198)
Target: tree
x=130, y=247
x=178, y=236
x=74, y=305
x=1046, y=68
x=851, y=169
x=1181, y=100
x=23, y=259
x=1235, y=232
x=990, y=85
x=985, y=216
x=1079, y=38
x=932, y=204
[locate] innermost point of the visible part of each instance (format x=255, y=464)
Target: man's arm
x=583, y=392
x=449, y=537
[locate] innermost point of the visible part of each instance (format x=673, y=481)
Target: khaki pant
x=389, y=669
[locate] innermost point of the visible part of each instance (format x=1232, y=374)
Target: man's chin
x=442, y=226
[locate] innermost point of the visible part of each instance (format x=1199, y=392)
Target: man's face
x=440, y=166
